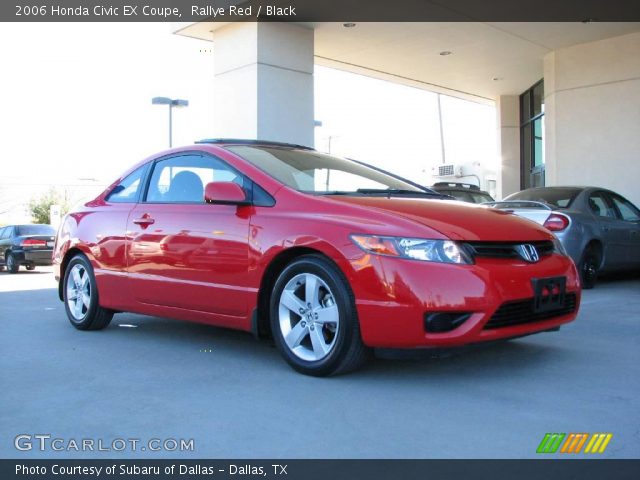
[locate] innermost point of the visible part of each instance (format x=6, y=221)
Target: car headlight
x=558, y=247
x=442, y=251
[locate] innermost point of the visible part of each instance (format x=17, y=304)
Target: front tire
x=81, y=296
x=589, y=266
x=313, y=318
x=12, y=263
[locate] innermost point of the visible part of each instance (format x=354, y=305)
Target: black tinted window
x=458, y=195
x=558, y=197
x=128, y=189
x=480, y=197
x=35, y=230
x=470, y=196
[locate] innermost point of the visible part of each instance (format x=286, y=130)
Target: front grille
x=522, y=311
x=507, y=249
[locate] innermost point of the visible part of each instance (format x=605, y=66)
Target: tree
x=40, y=207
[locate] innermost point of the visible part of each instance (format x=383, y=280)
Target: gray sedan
x=598, y=228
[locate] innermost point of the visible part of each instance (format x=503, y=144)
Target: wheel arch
x=260, y=319
x=69, y=254
x=597, y=245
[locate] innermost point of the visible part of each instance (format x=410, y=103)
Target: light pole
x=172, y=102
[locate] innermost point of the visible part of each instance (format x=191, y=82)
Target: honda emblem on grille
x=528, y=252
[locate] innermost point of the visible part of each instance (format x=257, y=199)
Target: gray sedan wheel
x=589, y=265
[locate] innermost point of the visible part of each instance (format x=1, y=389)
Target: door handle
x=144, y=221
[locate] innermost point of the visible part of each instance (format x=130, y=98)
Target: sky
x=77, y=109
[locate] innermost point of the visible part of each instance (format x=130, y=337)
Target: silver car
x=598, y=228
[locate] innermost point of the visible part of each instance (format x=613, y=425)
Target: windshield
x=468, y=196
x=558, y=197
x=24, y=230
x=314, y=172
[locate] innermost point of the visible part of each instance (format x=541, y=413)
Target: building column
x=550, y=121
x=508, y=125
x=592, y=115
x=264, y=82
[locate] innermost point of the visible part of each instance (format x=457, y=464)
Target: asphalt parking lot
x=146, y=377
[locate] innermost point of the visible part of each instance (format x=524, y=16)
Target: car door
x=184, y=253
x=613, y=233
x=629, y=216
x=104, y=228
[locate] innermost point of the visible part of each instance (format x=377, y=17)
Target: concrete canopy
x=409, y=53
x=591, y=74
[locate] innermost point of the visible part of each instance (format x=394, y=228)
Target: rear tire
x=80, y=293
x=314, y=320
x=12, y=264
x=589, y=266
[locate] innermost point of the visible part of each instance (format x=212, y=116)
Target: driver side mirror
x=225, y=193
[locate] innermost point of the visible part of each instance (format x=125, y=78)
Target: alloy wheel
x=308, y=317
x=78, y=292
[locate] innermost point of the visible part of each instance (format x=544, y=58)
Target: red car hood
x=456, y=220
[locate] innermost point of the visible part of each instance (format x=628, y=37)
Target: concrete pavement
x=147, y=377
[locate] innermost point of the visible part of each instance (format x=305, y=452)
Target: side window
x=627, y=210
x=600, y=205
x=127, y=190
x=2, y=232
x=182, y=179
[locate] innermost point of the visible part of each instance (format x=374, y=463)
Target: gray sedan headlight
x=441, y=251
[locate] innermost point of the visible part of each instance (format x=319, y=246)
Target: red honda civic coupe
x=329, y=257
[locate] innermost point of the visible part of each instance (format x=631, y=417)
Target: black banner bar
x=321, y=11
x=596, y=469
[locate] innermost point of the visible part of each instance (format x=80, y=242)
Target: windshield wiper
x=397, y=191
x=333, y=192
x=387, y=192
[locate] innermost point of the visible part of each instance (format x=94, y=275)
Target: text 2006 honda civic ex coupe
x=328, y=256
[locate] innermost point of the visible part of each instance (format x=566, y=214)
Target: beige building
x=567, y=95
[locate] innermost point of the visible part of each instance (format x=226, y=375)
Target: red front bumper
x=393, y=295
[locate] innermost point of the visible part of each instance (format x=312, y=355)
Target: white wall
x=592, y=120
x=508, y=129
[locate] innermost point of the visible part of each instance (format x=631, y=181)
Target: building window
x=532, y=137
